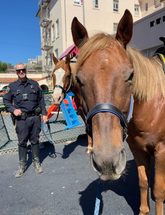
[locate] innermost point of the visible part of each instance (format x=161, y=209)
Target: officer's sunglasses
x=21, y=70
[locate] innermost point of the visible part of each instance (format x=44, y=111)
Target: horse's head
x=104, y=74
x=62, y=78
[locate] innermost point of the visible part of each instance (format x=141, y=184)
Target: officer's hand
x=17, y=112
x=44, y=118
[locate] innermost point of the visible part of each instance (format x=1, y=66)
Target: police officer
x=24, y=100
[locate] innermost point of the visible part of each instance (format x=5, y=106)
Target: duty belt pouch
x=37, y=111
x=23, y=116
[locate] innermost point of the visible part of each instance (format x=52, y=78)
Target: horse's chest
x=145, y=136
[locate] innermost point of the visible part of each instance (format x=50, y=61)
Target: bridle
x=68, y=88
x=105, y=108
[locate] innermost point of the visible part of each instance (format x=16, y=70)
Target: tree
x=4, y=66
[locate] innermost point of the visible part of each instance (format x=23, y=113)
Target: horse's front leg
x=144, y=190
x=159, y=185
x=143, y=161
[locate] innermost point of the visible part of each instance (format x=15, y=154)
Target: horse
x=146, y=128
x=62, y=78
x=108, y=74
x=104, y=76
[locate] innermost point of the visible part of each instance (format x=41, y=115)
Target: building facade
x=96, y=15
x=148, y=29
x=6, y=78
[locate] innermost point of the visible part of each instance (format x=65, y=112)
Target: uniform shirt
x=26, y=96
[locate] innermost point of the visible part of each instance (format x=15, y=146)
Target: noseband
x=105, y=108
x=59, y=86
x=62, y=88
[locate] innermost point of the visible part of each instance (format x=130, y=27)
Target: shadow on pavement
x=46, y=150
x=68, y=149
x=127, y=186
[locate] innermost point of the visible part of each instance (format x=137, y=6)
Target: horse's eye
x=79, y=81
x=130, y=77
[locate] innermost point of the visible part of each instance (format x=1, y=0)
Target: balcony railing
x=43, y=2
x=46, y=45
x=45, y=22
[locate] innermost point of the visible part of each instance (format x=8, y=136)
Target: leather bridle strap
x=63, y=90
x=59, y=86
x=106, y=108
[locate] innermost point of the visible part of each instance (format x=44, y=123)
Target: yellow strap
x=163, y=57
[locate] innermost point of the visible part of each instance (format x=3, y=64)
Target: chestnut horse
x=104, y=75
x=146, y=130
x=62, y=79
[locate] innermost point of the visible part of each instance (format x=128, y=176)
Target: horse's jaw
x=110, y=170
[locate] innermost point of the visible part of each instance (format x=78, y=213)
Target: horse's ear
x=55, y=60
x=79, y=33
x=125, y=28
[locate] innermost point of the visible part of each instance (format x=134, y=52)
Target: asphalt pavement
x=68, y=185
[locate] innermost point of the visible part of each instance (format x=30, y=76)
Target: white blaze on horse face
x=58, y=94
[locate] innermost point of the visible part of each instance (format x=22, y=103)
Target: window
x=47, y=15
x=151, y=23
x=136, y=9
x=48, y=36
x=163, y=18
x=157, y=3
x=115, y=27
x=146, y=7
x=158, y=21
x=56, y=53
x=116, y=5
x=57, y=29
x=96, y=3
x=53, y=32
x=77, y=2
x=50, y=60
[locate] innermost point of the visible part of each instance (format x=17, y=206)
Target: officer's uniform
x=28, y=97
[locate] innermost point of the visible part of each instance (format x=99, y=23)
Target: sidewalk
x=68, y=185
x=55, y=191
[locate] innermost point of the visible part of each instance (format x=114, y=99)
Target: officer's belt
x=29, y=114
x=25, y=115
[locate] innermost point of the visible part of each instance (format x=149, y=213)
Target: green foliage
x=4, y=66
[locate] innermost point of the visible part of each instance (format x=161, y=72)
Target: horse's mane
x=97, y=42
x=149, y=78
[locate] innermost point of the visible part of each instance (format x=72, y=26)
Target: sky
x=19, y=31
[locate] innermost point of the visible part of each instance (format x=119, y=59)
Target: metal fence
x=57, y=132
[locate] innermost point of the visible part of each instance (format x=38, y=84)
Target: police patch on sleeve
x=7, y=89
